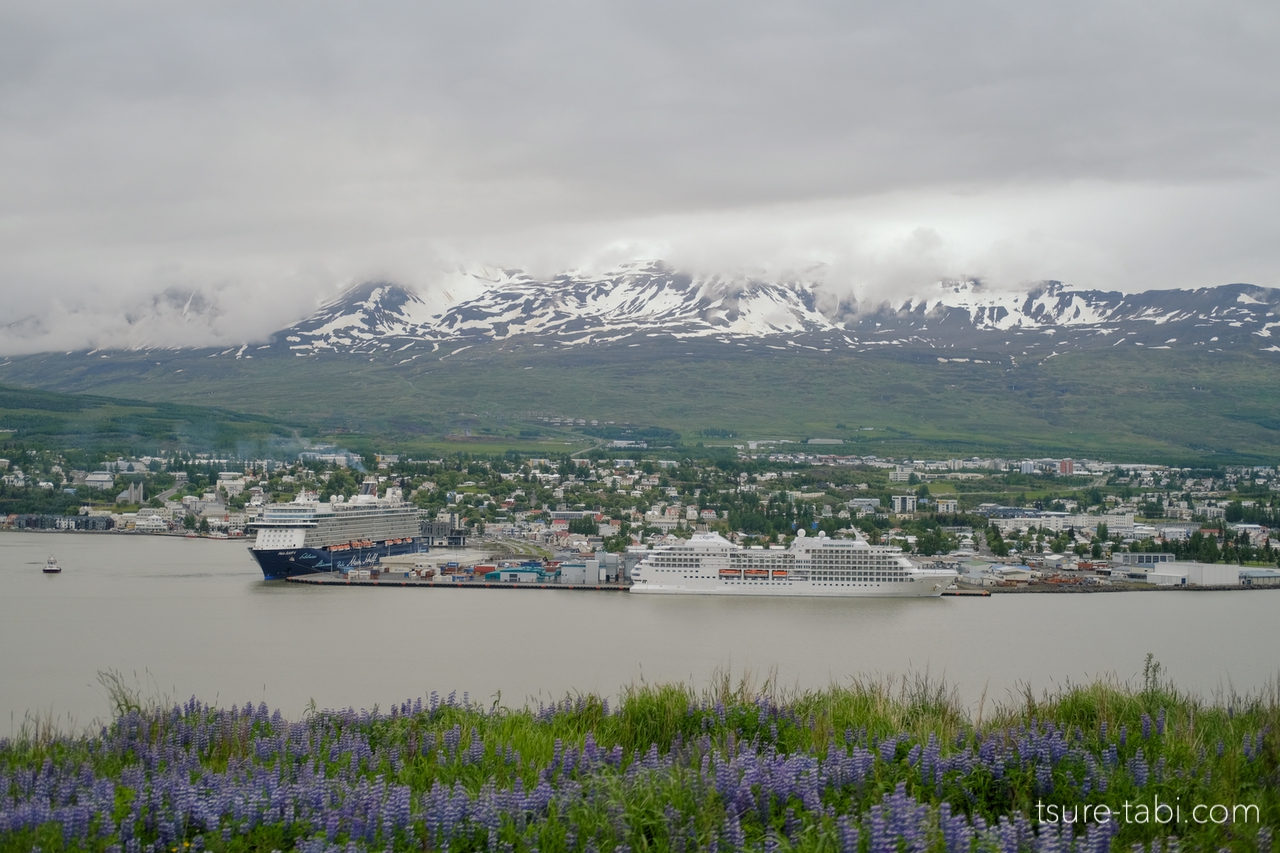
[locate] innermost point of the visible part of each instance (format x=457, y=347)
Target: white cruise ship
x=709, y=564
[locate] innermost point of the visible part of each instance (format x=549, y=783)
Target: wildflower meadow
x=874, y=766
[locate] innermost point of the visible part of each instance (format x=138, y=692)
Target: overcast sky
x=248, y=160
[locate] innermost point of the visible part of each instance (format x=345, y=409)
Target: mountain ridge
x=653, y=300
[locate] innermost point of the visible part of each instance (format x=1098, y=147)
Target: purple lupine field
x=871, y=767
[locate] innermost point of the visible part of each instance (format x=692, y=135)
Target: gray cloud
x=263, y=156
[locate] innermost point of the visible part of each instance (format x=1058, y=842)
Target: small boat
x=51, y=566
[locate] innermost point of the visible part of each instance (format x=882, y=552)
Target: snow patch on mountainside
x=653, y=299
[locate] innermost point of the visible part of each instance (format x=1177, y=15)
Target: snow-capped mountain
x=640, y=302
x=572, y=309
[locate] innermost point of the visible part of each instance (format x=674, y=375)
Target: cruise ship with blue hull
x=307, y=536
x=277, y=565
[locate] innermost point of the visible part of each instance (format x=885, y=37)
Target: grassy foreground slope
x=874, y=767
x=1132, y=404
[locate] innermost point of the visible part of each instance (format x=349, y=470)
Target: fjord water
x=182, y=617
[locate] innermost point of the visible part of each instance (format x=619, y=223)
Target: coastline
x=1071, y=589
x=961, y=592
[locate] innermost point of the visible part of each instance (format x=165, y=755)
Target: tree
x=617, y=544
x=341, y=482
x=586, y=526
x=1206, y=550
x=189, y=521
x=931, y=542
x=996, y=542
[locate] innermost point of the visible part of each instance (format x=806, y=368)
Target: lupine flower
x=339, y=782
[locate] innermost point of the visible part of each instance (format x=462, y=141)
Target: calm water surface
x=194, y=617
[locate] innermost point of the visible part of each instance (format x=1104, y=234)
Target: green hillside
x=99, y=424
x=1166, y=405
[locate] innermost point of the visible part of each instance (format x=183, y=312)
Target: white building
x=1190, y=574
x=100, y=480
x=233, y=487
x=150, y=524
x=903, y=503
x=1117, y=523
x=1213, y=574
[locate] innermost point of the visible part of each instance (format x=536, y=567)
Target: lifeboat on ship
x=779, y=574
x=757, y=574
x=730, y=574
